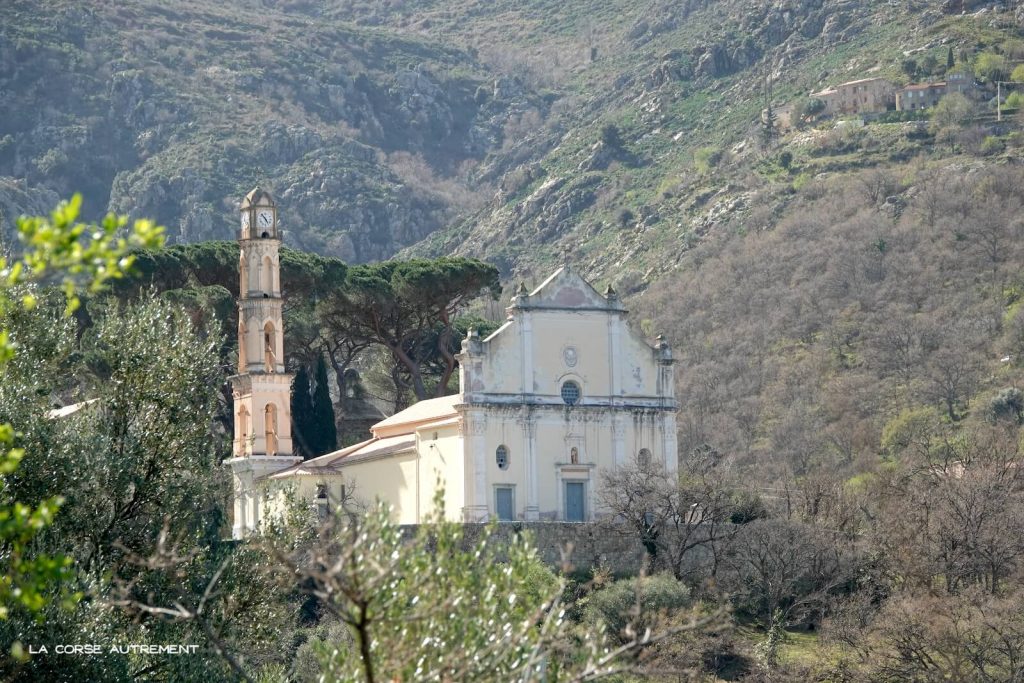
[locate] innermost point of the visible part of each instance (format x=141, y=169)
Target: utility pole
x=768, y=130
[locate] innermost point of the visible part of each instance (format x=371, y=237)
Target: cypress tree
x=302, y=412
x=323, y=432
x=950, y=62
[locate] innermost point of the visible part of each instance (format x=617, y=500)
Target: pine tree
x=302, y=413
x=323, y=432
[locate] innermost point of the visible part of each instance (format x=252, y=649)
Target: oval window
x=501, y=457
x=571, y=393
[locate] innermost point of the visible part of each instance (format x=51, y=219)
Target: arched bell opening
x=270, y=422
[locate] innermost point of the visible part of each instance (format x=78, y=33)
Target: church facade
x=561, y=392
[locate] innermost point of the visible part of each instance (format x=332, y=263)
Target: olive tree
x=441, y=605
x=61, y=250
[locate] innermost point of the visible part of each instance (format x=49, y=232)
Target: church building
x=564, y=390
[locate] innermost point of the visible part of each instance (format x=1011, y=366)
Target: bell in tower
x=262, y=388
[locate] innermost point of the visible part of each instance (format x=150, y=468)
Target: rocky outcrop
x=172, y=115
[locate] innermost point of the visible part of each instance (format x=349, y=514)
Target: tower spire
x=261, y=389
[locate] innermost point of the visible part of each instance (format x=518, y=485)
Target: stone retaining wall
x=580, y=546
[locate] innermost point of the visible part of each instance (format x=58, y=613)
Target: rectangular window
x=504, y=503
x=574, y=506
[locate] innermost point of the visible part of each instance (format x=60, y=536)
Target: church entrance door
x=574, y=501
x=504, y=504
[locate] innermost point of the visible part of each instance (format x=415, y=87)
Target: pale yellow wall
x=388, y=479
x=587, y=333
x=636, y=367
x=502, y=368
x=441, y=459
x=513, y=383
x=503, y=430
x=590, y=333
x=555, y=437
x=391, y=479
x=276, y=493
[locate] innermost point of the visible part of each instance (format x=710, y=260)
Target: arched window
x=267, y=275
x=242, y=426
x=570, y=393
x=643, y=458
x=271, y=428
x=269, y=357
x=501, y=457
x=242, y=358
x=243, y=272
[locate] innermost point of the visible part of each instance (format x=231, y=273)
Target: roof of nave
x=378, y=448
x=406, y=421
x=331, y=463
x=394, y=435
x=320, y=464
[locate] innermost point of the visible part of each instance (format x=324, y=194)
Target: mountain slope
x=173, y=112
x=684, y=84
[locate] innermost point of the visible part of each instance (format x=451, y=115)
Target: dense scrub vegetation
x=806, y=344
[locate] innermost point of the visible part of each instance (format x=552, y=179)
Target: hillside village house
x=927, y=95
x=921, y=96
x=564, y=390
x=867, y=95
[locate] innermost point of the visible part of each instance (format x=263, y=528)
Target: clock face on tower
x=265, y=218
x=245, y=220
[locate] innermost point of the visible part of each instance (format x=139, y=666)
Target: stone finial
x=522, y=294
x=472, y=345
x=663, y=349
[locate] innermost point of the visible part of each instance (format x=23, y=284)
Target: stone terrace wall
x=591, y=545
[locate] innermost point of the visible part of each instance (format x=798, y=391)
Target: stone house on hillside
x=867, y=95
x=920, y=96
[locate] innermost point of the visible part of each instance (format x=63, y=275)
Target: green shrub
x=991, y=67
x=1008, y=404
x=992, y=145
x=1015, y=100
x=706, y=158
x=615, y=606
x=611, y=136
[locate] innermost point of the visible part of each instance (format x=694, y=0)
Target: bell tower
x=261, y=389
